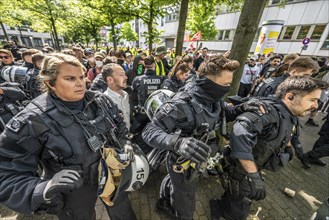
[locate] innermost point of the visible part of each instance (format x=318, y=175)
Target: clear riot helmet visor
x=156, y=100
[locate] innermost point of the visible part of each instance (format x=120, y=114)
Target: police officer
x=6, y=58
x=181, y=124
x=31, y=86
x=10, y=95
x=300, y=67
x=176, y=77
x=142, y=87
x=265, y=142
x=62, y=130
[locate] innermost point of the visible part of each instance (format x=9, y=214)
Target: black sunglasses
x=6, y=57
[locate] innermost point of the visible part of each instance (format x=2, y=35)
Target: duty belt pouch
x=109, y=175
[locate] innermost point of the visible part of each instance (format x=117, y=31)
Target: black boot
x=317, y=161
x=164, y=206
x=308, y=160
x=312, y=123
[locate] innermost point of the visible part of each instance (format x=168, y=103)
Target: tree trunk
x=4, y=31
x=114, y=37
x=181, y=26
x=251, y=14
x=57, y=47
x=150, y=27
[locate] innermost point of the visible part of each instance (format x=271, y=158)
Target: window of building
x=317, y=32
x=220, y=35
x=49, y=42
x=289, y=32
x=227, y=35
x=274, y=2
x=14, y=38
x=27, y=41
x=37, y=42
x=303, y=32
x=325, y=44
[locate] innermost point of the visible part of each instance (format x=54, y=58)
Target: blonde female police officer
x=61, y=130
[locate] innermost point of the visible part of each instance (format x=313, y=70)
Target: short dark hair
x=304, y=63
x=215, y=64
x=37, y=57
x=300, y=85
x=205, y=48
x=148, y=61
x=107, y=70
x=30, y=52
x=276, y=57
x=187, y=59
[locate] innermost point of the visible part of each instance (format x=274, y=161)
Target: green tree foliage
x=84, y=24
x=149, y=11
x=44, y=15
x=202, y=15
x=128, y=33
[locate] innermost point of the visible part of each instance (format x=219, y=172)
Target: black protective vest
x=199, y=113
x=268, y=152
x=268, y=86
x=65, y=141
x=148, y=83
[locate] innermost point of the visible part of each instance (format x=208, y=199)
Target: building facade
x=26, y=36
x=302, y=19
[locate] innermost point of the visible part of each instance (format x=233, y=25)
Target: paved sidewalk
x=310, y=185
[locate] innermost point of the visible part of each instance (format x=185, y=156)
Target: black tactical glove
x=254, y=105
x=192, y=149
x=53, y=206
x=63, y=181
x=257, y=186
x=289, y=151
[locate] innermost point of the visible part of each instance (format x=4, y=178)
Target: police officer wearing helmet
x=62, y=130
x=265, y=142
x=180, y=127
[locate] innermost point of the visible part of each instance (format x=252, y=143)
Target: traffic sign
x=306, y=40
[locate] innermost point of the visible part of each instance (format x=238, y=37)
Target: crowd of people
x=73, y=122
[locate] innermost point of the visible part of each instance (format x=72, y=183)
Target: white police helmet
x=156, y=100
x=136, y=174
x=14, y=74
x=112, y=182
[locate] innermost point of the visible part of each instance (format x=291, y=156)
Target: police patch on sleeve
x=14, y=125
